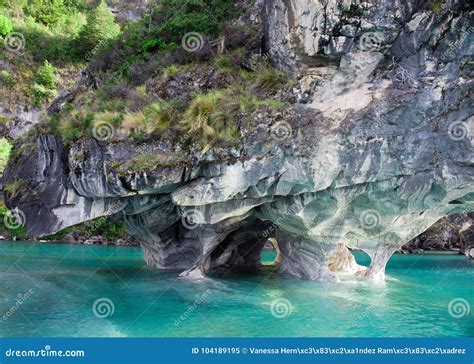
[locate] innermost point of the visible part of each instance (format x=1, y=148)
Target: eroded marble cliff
x=376, y=147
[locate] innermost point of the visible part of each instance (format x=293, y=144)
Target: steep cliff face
x=378, y=149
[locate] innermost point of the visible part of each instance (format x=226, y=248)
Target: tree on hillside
x=48, y=12
x=100, y=28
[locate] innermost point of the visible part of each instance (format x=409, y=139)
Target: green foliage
x=168, y=22
x=14, y=188
x=210, y=118
x=51, y=44
x=44, y=88
x=269, y=79
x=71, y=127
x=48, y=12
x=148, y=161
x=102, y=226
x=5, y=151
x=15, y=5
x=437, y=6
x=73, y=23
x=6, y=25
x=6, y=79
x=19, y=232
x=152, y=121
x=46, y=75
x=100, y=29
x=42, y=94
x=182, y=16
x=175, y=69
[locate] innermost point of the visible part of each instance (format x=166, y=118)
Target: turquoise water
x=66, y=280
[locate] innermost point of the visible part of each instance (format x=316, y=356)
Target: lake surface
x=92, y=291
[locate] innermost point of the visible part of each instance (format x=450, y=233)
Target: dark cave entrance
x=245, y=250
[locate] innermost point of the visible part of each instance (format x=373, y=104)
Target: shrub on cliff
x=6, y=25
x=46, y=75
x=5, y=150
x=100, y=29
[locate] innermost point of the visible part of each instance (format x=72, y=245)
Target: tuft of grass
x=14, y=188
x=152, y=121
x=210, y=118
x=111, y=118
x=75, y=126
x=269, y=79
x=175, y=69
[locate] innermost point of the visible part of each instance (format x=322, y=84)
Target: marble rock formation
x=379, y=148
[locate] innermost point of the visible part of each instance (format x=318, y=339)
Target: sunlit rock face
x=381, y=149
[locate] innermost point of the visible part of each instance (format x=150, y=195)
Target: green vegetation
x=210, y=118
x=6, y=79
x=102, y=226
x=42, y=94
x=152, y=121
x=46, y=75
x=178, y=17
x=76, y=126
x=269, y=79
x=4, y=213
x=6, y=25
x=100, y=28
x=61, y=33
x=149, y=161
x=175, y=69
x=164, y=27
x=5, y=150
x=14, y=188
x=58, y=30
x=48, y=12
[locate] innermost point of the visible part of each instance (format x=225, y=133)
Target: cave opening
x=361, y=257
x=270, y=253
